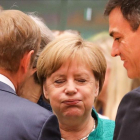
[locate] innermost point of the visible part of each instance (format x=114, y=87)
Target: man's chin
x=132, y=75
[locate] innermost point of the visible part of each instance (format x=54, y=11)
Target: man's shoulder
x=135, y=93
x=33, y=109
x=131, y=99
x=22, y=118
x=12, y=102
x=6, y=88
x=136, y=90
x=128, y=114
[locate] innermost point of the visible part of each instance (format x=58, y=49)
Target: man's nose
x=115, y=50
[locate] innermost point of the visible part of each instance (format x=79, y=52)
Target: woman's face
x=71, y=90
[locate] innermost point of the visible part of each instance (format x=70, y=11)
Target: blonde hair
x=18, y=34
x=71, y=47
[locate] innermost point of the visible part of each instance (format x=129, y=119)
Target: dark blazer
x=21, y=119
x=128, y=117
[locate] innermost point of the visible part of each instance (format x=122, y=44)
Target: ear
x=26, y=61
x=33, y=71
x=97, y=88
x=45, y=92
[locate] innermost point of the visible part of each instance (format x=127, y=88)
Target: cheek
x=127, y=46
x=54, y=96
x=89, y=95
x=55, y=103
x=88, y=102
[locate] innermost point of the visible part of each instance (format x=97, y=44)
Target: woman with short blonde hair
x=72, y=73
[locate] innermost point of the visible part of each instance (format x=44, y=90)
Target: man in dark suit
x=124, y=27
x=20, y=119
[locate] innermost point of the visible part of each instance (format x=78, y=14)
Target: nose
x=115, y=50
x=70, y=88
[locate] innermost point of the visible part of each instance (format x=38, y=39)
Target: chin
x=133, y=75
x=73, y=113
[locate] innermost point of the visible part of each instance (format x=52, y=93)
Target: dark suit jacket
x=21, y=119
x=128, y=117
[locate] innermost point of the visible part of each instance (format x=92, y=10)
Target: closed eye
x=117, y=39
x=59, y=81
x=81, y=80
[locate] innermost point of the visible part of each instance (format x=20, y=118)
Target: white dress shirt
x=5, y=80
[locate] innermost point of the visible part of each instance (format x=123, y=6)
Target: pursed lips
x=71, y=101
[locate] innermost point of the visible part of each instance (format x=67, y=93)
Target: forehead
x=117, y=23
x=73, y=67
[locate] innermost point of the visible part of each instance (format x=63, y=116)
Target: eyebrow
x=59, y=76
x=81, y=75
x=111, y=34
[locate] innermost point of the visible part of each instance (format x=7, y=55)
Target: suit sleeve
x=50, y=129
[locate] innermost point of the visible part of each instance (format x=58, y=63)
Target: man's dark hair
x=130, y=10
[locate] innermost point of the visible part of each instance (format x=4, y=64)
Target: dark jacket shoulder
x=128, y=117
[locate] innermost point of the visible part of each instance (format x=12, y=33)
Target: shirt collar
x=5, y=80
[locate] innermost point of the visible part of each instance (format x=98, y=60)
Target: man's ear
x=26, y=61
x=45, y=92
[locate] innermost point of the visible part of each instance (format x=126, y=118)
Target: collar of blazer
x=6, y=88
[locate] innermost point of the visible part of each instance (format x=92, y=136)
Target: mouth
x=124, y=61
x=122, y=58
x=125, y=64
x=71, y=102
